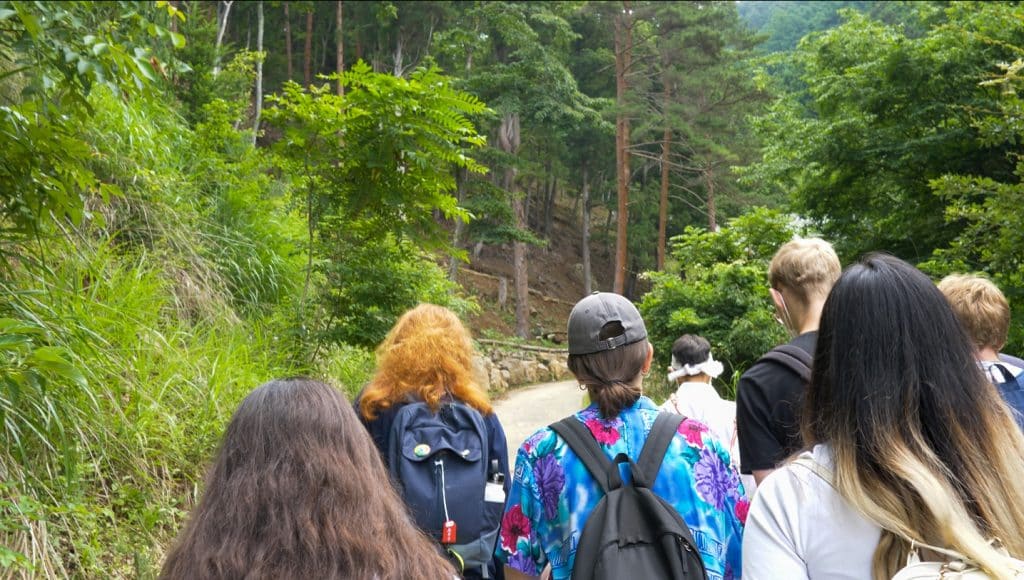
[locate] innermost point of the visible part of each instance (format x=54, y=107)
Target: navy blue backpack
x=1012, y=390
x=439, y=462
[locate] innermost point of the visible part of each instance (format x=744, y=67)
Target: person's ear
x=777, y=299
x=650, y=358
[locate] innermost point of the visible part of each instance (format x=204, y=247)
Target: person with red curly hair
x=427, y=357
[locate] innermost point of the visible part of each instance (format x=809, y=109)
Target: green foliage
x=371, y=168
x=720, y=290
x=351, y=367
x=52, y=55
x=992, y=239
x=884, y=115
x=371, y=281
x=382, y=153
x=127, y=339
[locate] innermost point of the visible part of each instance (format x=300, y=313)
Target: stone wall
x=502, y=366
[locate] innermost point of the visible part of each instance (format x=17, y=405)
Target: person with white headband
x=692, y=370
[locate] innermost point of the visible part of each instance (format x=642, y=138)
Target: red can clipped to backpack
x=448, y=532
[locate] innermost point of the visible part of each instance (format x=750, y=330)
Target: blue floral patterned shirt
x=553, y=494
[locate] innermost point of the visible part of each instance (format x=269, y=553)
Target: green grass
x=104, y=438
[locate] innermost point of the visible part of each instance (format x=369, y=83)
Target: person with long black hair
x=908, y=444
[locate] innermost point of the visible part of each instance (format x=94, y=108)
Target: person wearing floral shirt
x=552, y=492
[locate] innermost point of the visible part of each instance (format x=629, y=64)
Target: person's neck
x=694, y=379
x=809, y=317
x=988, y=354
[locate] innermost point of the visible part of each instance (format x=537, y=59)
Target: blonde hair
x=808, y=267
x=981, y=308
x=427, y=354
x=923, y=444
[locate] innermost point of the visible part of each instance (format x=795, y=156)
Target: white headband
x=710, y=367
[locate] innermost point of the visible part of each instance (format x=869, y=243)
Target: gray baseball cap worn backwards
x=590, y=315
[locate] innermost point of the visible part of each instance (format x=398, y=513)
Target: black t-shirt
x=768, y=401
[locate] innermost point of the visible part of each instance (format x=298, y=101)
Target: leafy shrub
x=719, y=291
x=369, y=283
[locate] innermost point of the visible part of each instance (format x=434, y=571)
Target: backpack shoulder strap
x=582, y=442
x=1007, y=375
x=664, y=429
x=792, y=357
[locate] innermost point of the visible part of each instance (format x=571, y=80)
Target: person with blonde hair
x=985, y=314
x=422, y=402
x=296, y=490
x=908, y=445
x=769, y=393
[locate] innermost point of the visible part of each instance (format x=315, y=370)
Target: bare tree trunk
x=307, y=55
x=397, y=57
x=549, y=203
x=663, y=204
x=288, y=42
x=623, y=56
x=460, y=192
x=340, y=33
x=586, y=231
x=709, y=177
x=222, y=26
x=259, y=71
x=509, y=141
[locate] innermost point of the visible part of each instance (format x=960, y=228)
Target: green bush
x=370, y=282
x=719, y=290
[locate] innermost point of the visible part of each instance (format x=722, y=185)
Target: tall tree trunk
x=288, y=42
x=509, y=141
x=549, y=202
x=222, y=26
x=259, y=71
x=586, y=230
x=623, y=56
x=460, y=193
x=663, y=204
x=709, y=177
x=340, y=34
x=307, y=55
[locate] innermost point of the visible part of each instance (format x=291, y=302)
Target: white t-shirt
x=701, y=402
x=799, y=527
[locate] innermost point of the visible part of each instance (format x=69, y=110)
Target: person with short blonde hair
x=769, y=393
x=981, y=308
x=984, y=314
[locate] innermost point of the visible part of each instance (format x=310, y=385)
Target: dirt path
x=527, y=409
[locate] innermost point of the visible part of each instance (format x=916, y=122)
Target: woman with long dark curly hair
x=425, y=367
x=297, y=490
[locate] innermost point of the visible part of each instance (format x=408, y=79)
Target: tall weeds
x=125, y=344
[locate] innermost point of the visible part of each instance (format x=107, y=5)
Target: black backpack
x=632, y=533
x=793, y=358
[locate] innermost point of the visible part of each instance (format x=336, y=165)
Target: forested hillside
x=200, y=196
